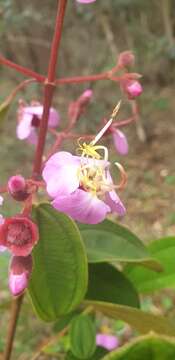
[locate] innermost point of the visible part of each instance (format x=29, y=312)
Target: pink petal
x=85, y=1
x=109, y=342
x=32, y=138
x=113, y=200
x=82, y=206
x=18, y=283
x=54, y=118
x=61, y=174
x=120, y=142
x=1, y=200
x=2, y=248
x=24, y=127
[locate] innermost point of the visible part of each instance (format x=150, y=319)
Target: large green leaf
x=150, y=347
x=82, y=337
x=140, y=320
x=59, y=278
x=146, y=280
x=106, y=283
x=109, y=241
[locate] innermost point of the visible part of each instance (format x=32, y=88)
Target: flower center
x=18, y=234
x=93, y=178
x=35, y=121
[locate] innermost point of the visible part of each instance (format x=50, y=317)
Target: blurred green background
x=94, y=35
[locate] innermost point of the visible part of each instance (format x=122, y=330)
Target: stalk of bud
x=19, y=274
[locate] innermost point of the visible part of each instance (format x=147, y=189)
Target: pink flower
x=19, y=274
x=19, y=235
x=109, y=342
x=85, y=1
x=29, y=119
x=81, y=187
x=120, y=141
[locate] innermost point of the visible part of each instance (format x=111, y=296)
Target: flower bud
x=132, y=88
x=120, y=141
x=17, y=188
x=126, y=58
x=78, y=107
x=19, y=234
x=85, y=98
x=19, y=274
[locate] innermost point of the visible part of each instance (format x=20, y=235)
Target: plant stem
x=16, y=306
x=81, y=79
x=21, y=69
x=49, y=87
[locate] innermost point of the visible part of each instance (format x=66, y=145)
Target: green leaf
x=82, y=337
x=111, y=242
x=99, y=353
x=146, y=280
x=4, y=108
x=140, y=320
x=59, y=277
x=150, y=347
x=106, y=283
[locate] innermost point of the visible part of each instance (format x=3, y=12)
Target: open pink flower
x=120, y=141
x=29, y=119
x=81, y=187
x=109, y=342
x=19, y=235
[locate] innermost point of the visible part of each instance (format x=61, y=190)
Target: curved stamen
x=123, y=175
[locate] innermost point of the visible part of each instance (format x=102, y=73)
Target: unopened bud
x=85, y=98
x=19, y=234
x=132, y=88
x=17, y=188
x=19, y=274
x=126, y=58
x=120, y=142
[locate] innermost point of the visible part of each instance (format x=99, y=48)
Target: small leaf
x=59, y=277
x=82, y=337
x=140, y=320
x=145, y=348
x=4, y=108
x=106, y=283
x=146, y=280
x=98, y=354
x=110, y=242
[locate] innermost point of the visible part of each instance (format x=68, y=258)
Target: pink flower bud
x=17, y=188
x=19, y=234
x=120, y=141
x=78, y=107
x=85, y=98
x=126, y=58
x=19, y=274
x=134, y=89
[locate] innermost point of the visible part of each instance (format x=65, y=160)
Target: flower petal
x=120, y=142
x=82, y=206
x=61, y=174
x=116, y=205
x=24, y=127
x=108, y=341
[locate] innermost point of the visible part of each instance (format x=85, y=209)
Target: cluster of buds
x=18, y=235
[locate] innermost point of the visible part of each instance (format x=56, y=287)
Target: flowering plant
x=65, y=246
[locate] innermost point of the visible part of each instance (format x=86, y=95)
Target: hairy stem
x=16, y=306
x=49, y=87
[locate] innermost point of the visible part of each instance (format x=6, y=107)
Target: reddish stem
x=49, y=87
x=81, y=79
x=21, y=69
